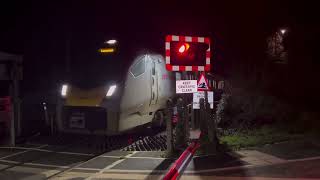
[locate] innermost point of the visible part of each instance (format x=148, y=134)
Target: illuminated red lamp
x=184, y=47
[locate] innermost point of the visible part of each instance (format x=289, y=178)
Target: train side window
x=153, y=68
x=138, y=68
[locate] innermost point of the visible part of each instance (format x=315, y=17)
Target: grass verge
x=257, y=137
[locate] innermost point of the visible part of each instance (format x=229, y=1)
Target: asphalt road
x=41, y=161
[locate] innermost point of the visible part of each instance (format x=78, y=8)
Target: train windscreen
x=100, y=71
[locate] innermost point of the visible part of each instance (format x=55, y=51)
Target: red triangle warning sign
x=203, y=83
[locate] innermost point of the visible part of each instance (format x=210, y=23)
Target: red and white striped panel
x=170, y=38
x=182, y=162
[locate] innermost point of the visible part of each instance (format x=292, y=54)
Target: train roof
x=9, y=57
x=105, y=69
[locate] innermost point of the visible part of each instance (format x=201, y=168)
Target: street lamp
x=111, y=42
x=283, y=31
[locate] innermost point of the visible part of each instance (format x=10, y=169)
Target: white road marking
x=110, y=156
x=90, y=169
x=45, y=150
x=111, y=166
x=14, y=154
x=128, y=176
x=78, y=167
x=47, y=165
x=36, y=173
x=136, y=157
x=75, y=153
x=12, y=162
x=119, y=161
x=126, y=171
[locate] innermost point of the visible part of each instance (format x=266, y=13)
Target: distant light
x=64, y=90
x=283, y=31
x=44, y=106
x=106, y=50
x=111, y=90
x=111, y=42
x=183, y=48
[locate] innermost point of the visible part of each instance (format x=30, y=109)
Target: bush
x=304, y=121
x=250, y=110
x=257, y=137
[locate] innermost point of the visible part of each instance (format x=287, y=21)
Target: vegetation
x=249, y=110
x=257, y=137
x=254, y=119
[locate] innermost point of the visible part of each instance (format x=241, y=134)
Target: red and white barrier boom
x=181, y=163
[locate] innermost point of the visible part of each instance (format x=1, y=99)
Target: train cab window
x=138, y=68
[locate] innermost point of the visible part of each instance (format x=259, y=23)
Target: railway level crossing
x=184, y=55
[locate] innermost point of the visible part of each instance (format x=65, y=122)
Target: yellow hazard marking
x=80, y=97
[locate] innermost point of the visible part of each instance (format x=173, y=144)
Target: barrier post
x=202, y=119
x=181, y=135
x=211, y=128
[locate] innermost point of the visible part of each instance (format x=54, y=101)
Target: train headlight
x=64, y=90
x=111, y=90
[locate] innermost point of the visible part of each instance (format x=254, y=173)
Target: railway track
x=148, y=143
x=144, y=141
x=140, y=142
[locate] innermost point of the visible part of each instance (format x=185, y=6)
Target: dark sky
x=40, y=30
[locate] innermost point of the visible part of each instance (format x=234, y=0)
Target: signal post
x=187, y=54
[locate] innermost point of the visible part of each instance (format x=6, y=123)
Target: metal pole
x=15, y=115
x=46, y=115
x=51, y=124
x=59, y=107
x=193, y=125
x=186, y=111
x=202, y=123
x=208, y=117
x=193, y=118
x=169, y=126
x=12, y=124
x=210, y=125
x=180, y=127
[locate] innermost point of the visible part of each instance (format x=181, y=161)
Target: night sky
x=44, y=31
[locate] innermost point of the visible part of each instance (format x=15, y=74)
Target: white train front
x=138, y=99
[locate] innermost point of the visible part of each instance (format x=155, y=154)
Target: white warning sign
x=198, y=95
x=203, y=84
x=186, y=86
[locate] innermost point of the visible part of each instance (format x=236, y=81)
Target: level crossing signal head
x=186, y=53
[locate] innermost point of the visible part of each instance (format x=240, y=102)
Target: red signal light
x=184, y=47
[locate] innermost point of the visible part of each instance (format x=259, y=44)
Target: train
x=137, y=99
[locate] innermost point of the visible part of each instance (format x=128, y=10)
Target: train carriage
x=137, y=98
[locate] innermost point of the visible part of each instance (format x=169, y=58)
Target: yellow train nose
x=81, y=97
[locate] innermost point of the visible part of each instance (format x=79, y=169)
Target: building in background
x=10, y=75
